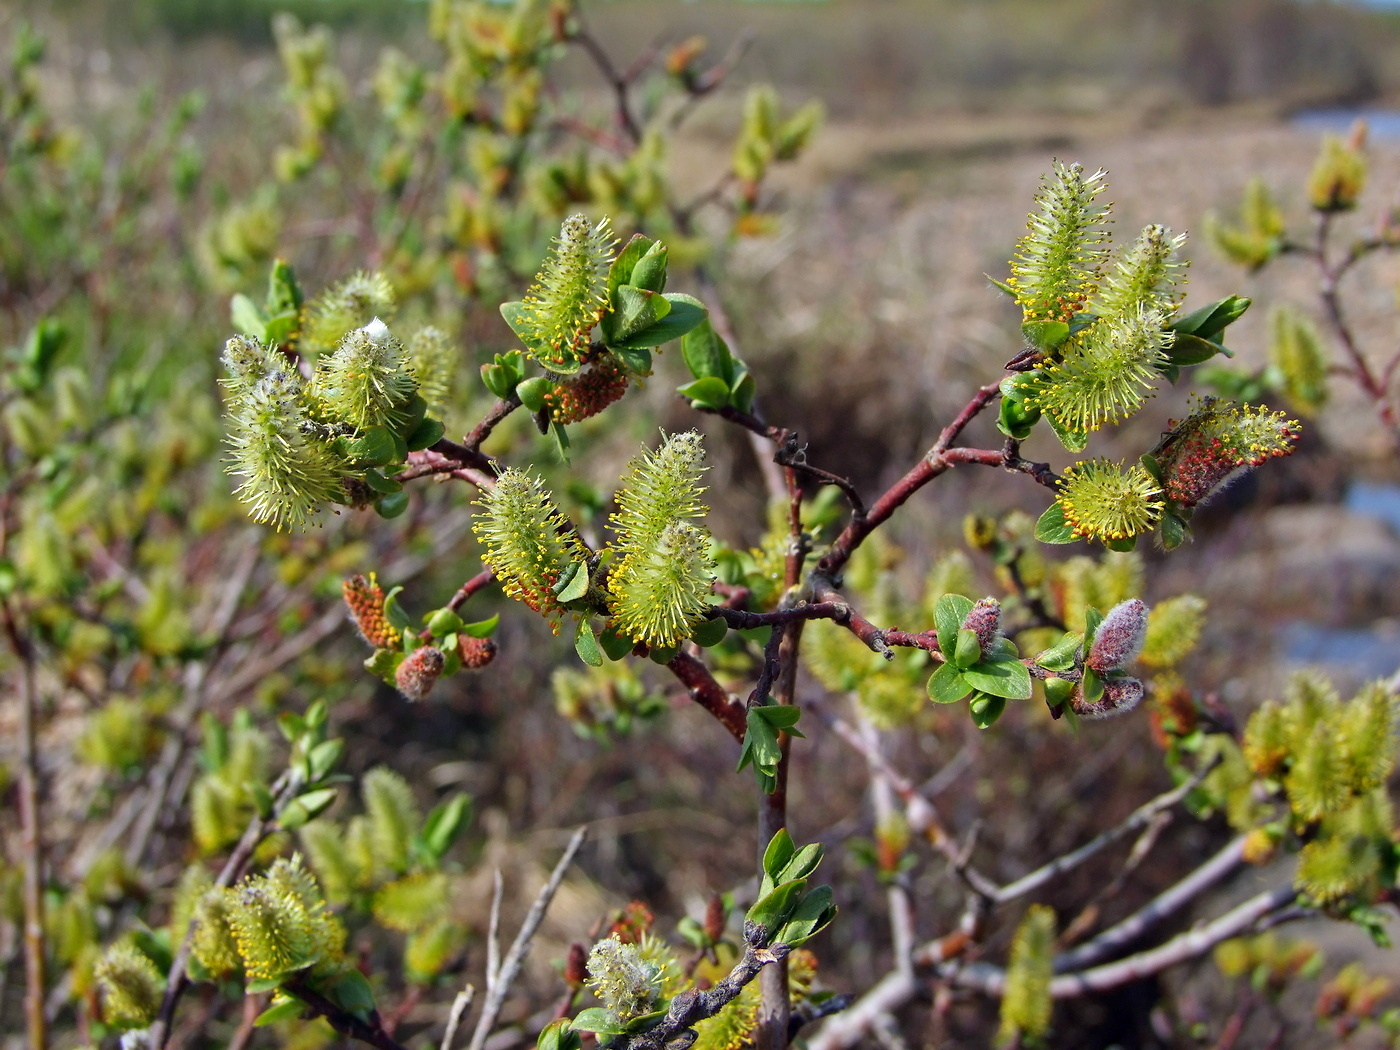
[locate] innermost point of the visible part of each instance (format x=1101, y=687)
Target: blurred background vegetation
x=163, y=117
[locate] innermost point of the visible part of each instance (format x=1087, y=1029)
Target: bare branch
x=502, y=976
x=454, y=1019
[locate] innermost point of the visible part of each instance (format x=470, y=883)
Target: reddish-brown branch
x=493, y=417
x=935, y=462
x=708, y=693
x=434, y=461
x=481, y=580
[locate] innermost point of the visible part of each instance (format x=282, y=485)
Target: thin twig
x=459, y=1009
x=509, y=968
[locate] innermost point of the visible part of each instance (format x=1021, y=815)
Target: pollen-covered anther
x=365, y=599
x=419, y=672
x=984, y=620
x=579, y=398
x=1119, y=637
x=1218, y=438
x=1102, y=502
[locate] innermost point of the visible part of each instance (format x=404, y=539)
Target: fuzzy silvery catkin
x=1120, y=695
x=419, y=672
x=984, y=620
x=1119, y=637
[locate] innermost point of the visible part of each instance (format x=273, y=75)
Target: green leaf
x=1045, y=335
x=323, y=758
x=637, y=362
x=760, y=745
x=812, y=915
x=384, y=663
x=620, y=272
x=481, y=628
x=706, y=354
x=800, y=864
x=428, y=432
x=441, y=622
x=615, y=646
x=1174, y=531
x=967, y=650
x=444, y=824
x=741, y=393
x=1002, y=285
x=779, y=851
x=573, y=585
x=374, y=447
x=248, y=317
x=586, y=645
x=351, y=992
x=1187, y=349
x=946, y=685
x=650, y=271
x=1123, y=545
x=709, y=633
x=686, y=312
x=497, y=380
x=1057, y=691
x=948, y=617
x=773, y=909
x=287, y=1009
x=779, y=716
x=516, y=315
x=1060, y=656
x=1052, y=527
x=634, y=310
x=281, y=328
x=643, y=1022
x=711, y=392
x=394, y=612
x=1091, y=686
x=598, y=1020
x=306, y=807
x=1002, y=678
x=985, y=710
x=1209, y=321
x=379, y=483
x=1073, y=439
x=391, y=505
x=532, y=391
x=662, y=654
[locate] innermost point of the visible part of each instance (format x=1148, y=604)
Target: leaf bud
x=1119, y=637
x=714, y=918
x=419, y=672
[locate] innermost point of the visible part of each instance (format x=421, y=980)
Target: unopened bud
x=1119, y=637
x=576, y=966
x=419, y=672
x=984, y=620
x=714, y=919
x=1338, y=176
x=476, y=653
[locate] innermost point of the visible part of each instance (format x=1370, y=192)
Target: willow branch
x=1192, y=944
x=499, y=982
x=708, y=693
